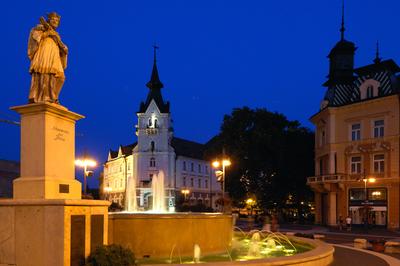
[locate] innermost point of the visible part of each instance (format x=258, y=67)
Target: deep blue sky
x=214, y=56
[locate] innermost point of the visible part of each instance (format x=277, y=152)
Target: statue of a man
x=48, y=55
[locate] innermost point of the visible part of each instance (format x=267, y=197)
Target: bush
x=112, y=255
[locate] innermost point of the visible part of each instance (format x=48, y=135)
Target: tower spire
x=154, y=83
x=377, y=59
x=342, y=29
x=155, y=47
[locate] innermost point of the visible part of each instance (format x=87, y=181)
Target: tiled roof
x=182, y=147
x=188, y=148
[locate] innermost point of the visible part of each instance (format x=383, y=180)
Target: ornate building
x=357, y=141
x=132, y=171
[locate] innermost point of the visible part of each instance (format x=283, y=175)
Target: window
x=199, y=168
x=379, y=128
x=120, y=168
x=192, y=167
x=129, y=166
x=370, y=92
x=155, y=123
x=199, y=183
x=206, y=183
x=206, y=169
x=379, y=163
x=184, y=181
x=120, y=183
x=377, y=194
x=152, y=162
x=184, y=166
x=191, y=182
x=152, y=146
x=356, y=131
x=323, y=138
x=115, y=183
x=356, y=165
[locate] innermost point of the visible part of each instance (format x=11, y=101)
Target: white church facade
x=158, y=164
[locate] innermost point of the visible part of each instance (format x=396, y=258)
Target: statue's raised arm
x=48, y=55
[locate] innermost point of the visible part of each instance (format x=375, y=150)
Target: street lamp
x=221, y=173
x=185, y=192
x=366, y=203
x=85, y=163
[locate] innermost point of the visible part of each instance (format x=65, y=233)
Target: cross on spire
x=155, y=47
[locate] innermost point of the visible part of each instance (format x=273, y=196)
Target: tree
x=271, y=156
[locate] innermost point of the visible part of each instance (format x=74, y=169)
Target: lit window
x=379, y=128
x=356, y=131
x=379, y=163
x=356, y=165
x=152, y=162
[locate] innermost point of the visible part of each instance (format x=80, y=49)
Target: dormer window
x=369, y=89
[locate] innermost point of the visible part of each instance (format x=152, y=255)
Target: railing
x=335, y=178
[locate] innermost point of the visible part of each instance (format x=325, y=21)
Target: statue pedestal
x=47, y=153
x=47, y=223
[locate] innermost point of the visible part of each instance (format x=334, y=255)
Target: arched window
x=150, y=123
x=155, y=123
x=369, y=89
x=152, y=162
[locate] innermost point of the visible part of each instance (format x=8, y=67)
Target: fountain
x=158, y=236
x=158, y=190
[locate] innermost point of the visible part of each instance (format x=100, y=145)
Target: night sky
x=213, y=56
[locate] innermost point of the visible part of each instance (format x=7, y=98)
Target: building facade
x=357, y=142
x=133, y=173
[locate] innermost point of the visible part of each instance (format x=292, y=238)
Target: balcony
x=334, y=178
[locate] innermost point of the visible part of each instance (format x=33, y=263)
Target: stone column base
x=51, y=232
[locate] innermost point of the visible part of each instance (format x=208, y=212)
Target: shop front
x=371, y=210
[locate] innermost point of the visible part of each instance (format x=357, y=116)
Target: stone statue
x=48, y=55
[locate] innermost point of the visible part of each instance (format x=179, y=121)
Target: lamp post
x=185, y=192
x=221, y=173
x=366, y=203
x=85, y=163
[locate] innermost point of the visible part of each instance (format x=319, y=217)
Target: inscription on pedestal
x=63, y=188
x=96, y=231
x=77, y=240
x=60, y=133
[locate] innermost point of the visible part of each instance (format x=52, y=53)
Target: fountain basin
x=153, y=235
x=321, y=254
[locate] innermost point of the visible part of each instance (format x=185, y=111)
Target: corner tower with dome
x=135, y=173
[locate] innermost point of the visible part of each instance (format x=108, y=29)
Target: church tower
x=153, y=155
